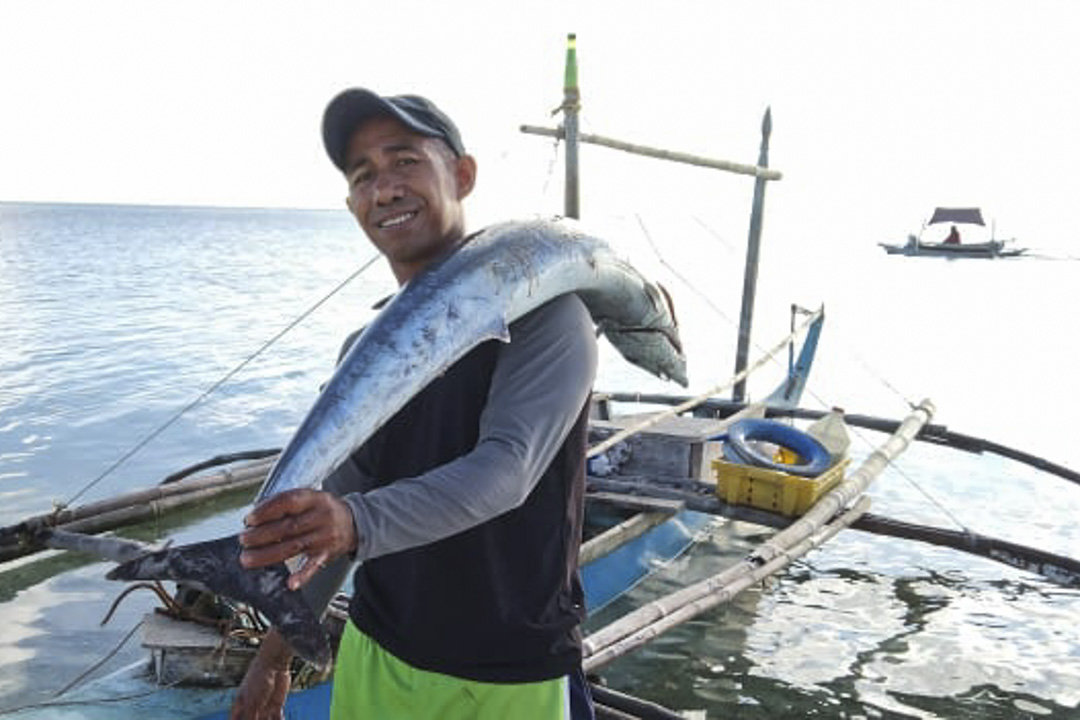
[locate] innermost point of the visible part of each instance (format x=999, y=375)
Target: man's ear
x=465, y=174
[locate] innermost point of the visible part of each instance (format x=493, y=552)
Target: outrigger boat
x=198, y=648
x=655, y=481
x=952, y=246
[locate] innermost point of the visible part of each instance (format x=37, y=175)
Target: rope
x=596, y=450
x=892, y=464
x=648, y=236
x=213, y=388
x=81, y=676
x=926, y=494
x=551, y=168
x=96, y=700
x=720, y=238
x=698, y=399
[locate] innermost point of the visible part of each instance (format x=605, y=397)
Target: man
x=465, y=509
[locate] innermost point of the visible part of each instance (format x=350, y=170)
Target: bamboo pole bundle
x=815, y=527
x=137, y=506
x=639, y=627
x=854, y=485
x=155, y=509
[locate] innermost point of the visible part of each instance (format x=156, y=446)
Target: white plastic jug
x=831, y=431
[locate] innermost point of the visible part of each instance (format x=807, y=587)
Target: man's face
x=405, y=190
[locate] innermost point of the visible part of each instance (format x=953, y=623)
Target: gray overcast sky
x=882, y=108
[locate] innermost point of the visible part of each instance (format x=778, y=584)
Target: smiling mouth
x=396, y=220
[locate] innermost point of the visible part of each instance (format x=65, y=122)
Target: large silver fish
x=470, y=297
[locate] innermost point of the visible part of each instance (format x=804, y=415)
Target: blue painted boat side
x=605, y=579
x=612, y=575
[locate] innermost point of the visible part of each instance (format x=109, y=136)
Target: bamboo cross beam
x=1060, y=569
x=931, y=432
x=660, y=153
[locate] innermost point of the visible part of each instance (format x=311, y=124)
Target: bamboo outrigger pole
x=24, y=538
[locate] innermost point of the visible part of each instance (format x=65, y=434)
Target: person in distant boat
x=465, y=510
x=954, y=236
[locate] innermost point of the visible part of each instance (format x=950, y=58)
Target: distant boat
x=952, y=246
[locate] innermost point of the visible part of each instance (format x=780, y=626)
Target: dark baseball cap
x=352, y=107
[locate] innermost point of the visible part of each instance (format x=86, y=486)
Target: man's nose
x=388, y=188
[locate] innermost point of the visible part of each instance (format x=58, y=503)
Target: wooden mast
x=571, y=106
x=761, y=173
x=753, y=246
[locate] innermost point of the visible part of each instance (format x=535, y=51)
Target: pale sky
x=880, y=109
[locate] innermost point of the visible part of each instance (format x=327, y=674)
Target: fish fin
x=215, y=564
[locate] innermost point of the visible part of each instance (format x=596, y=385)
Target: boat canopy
x=969, y=215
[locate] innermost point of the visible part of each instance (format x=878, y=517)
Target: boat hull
x=605, y=578
x=992, y=249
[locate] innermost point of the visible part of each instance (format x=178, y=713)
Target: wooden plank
x=186, y=653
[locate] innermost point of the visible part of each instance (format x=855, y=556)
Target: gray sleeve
x=541, y=382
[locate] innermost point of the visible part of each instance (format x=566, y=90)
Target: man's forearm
x=274, y=652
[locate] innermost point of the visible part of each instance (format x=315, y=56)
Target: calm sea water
x=114, y=318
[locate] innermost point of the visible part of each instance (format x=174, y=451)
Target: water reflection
x=844, y=643
x=111, y=319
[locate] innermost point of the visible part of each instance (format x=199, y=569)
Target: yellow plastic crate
x=772, y=490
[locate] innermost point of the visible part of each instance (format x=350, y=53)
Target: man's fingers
x=291, y=502
x=289, y=529
x=268, y=553
x=275, y=522
x=298, y=522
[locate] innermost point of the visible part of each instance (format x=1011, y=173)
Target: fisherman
x=465, y=510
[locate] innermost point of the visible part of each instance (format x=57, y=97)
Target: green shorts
x=370, y=683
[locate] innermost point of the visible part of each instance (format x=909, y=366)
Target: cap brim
x=351, y=108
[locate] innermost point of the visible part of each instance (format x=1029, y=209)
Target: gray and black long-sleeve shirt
x=468, y=508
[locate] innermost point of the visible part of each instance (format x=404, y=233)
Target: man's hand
x=314, y=523
x=261, y=696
